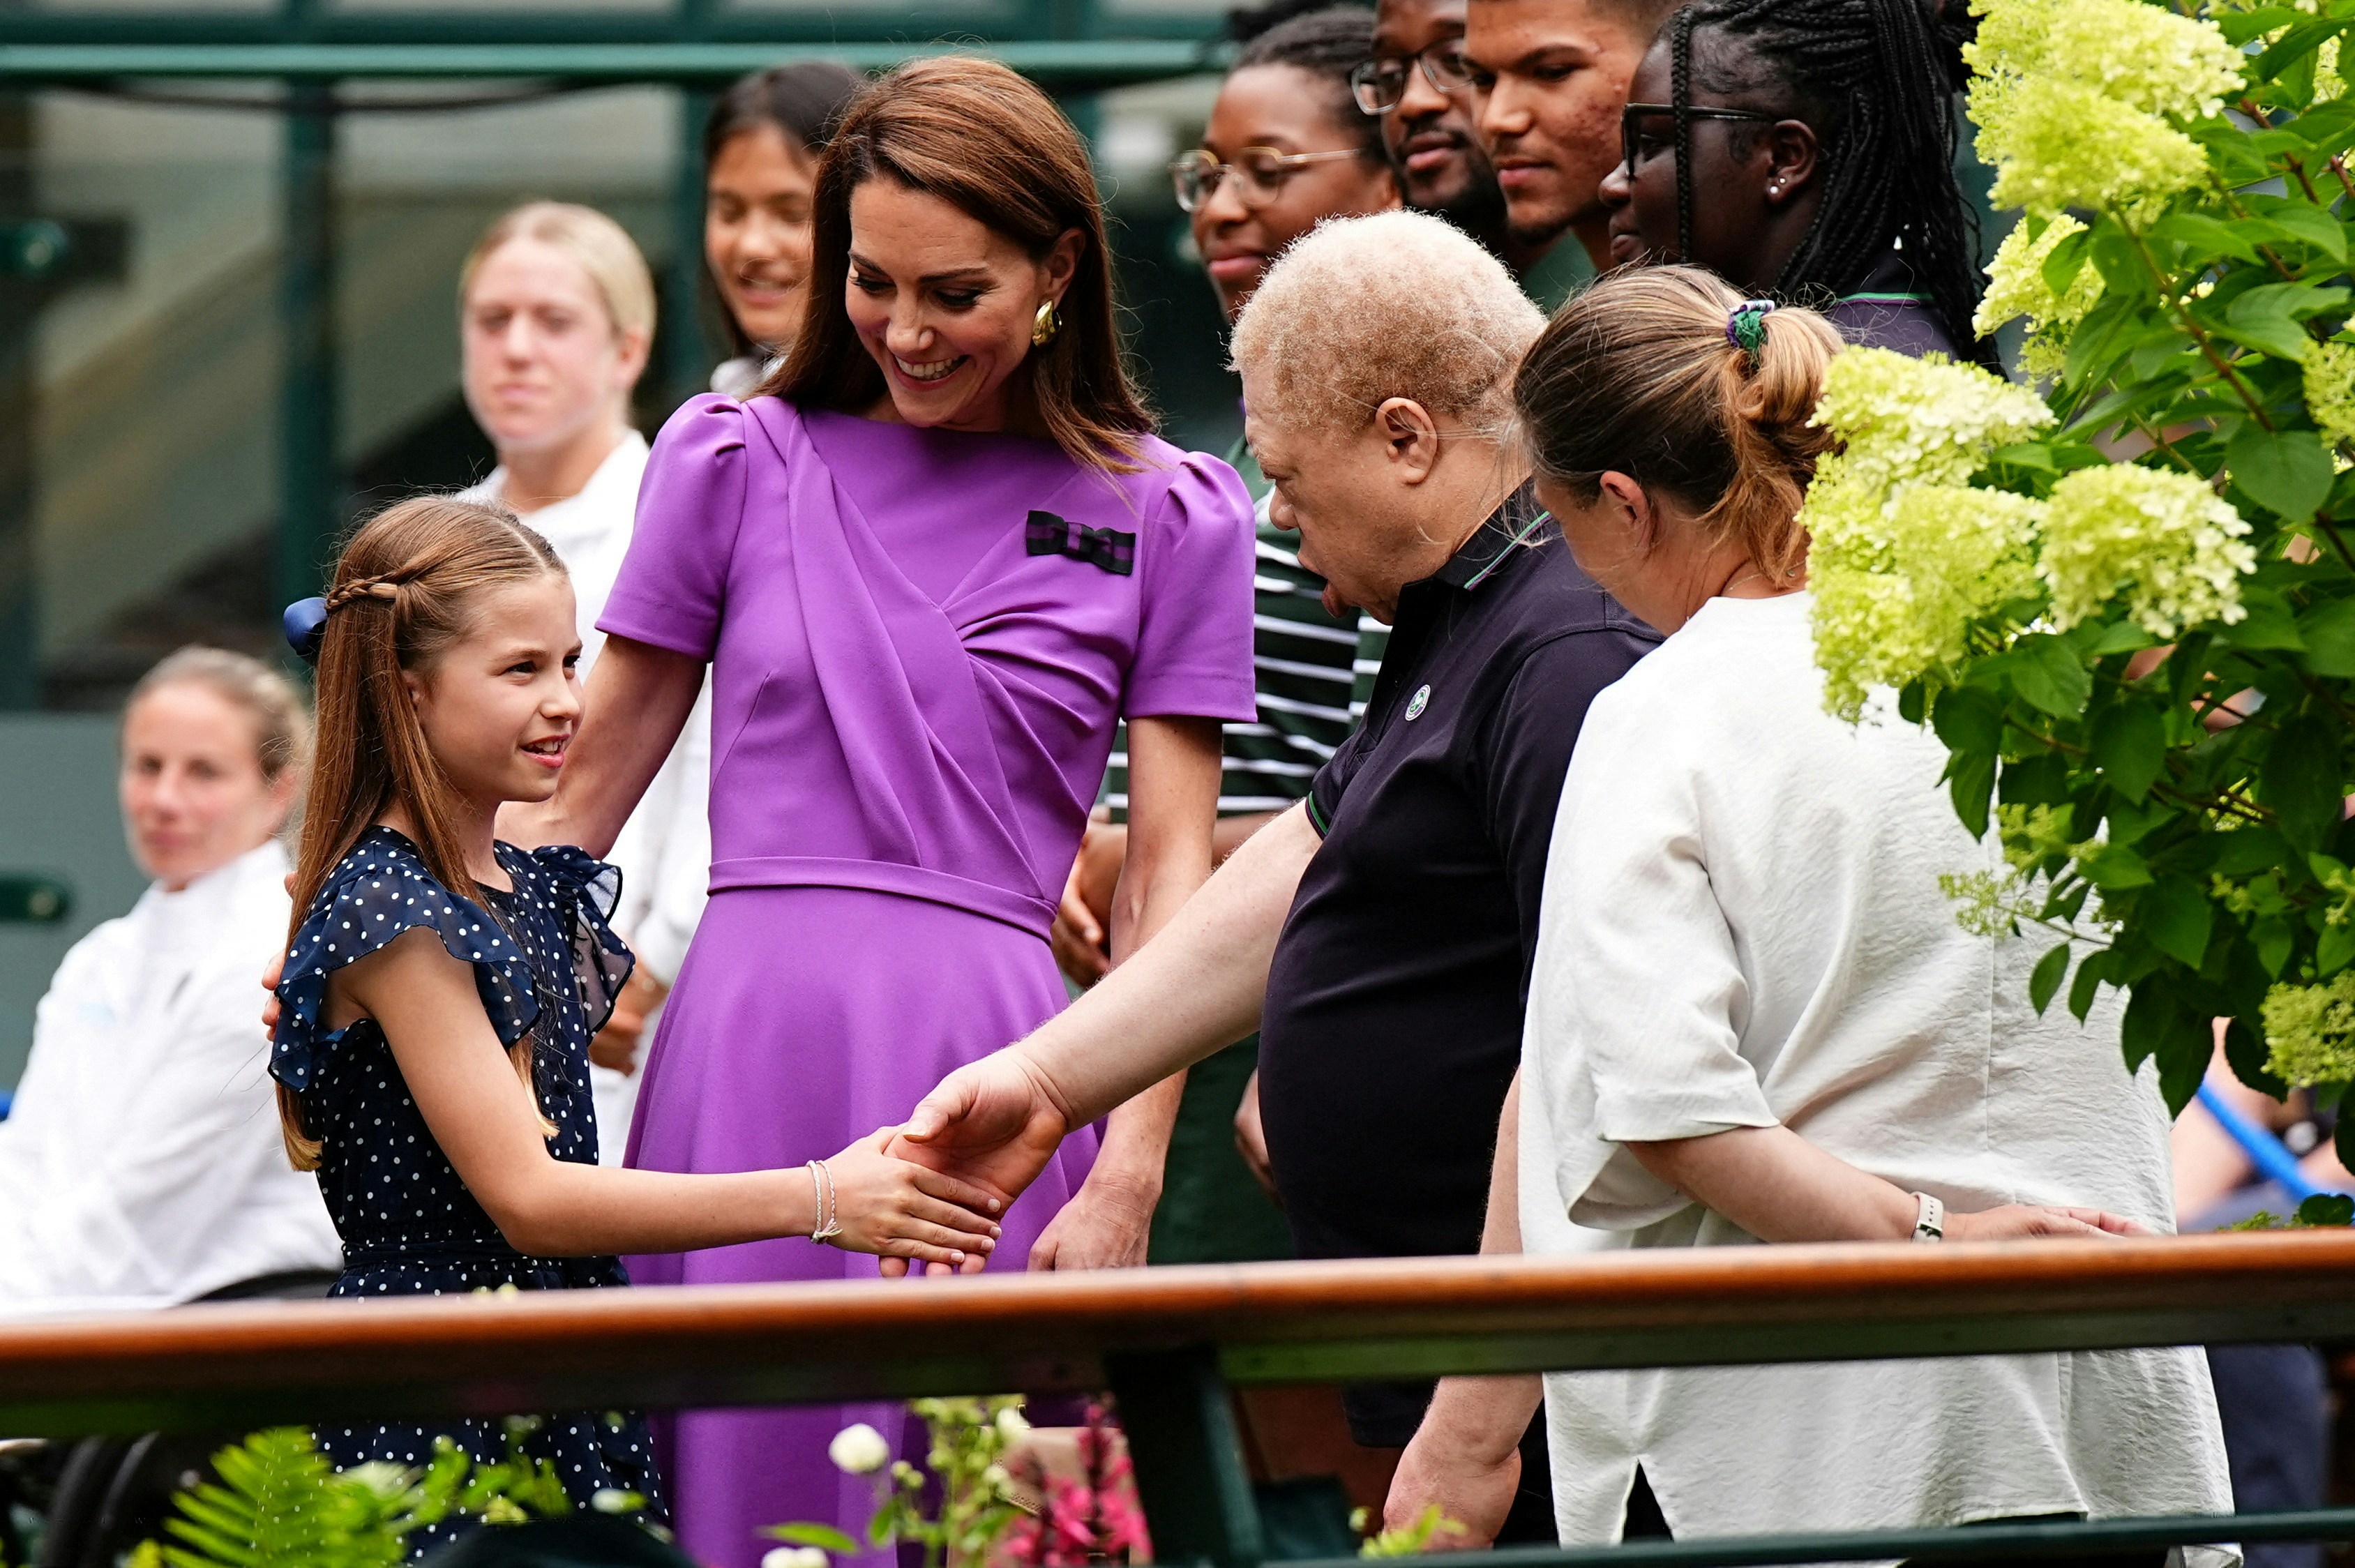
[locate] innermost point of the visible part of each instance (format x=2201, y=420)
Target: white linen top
x=1743, y=926
x=665, y=849
x=142, y=1163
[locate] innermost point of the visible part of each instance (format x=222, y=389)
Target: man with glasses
x=1548, y=79
x=1421, y=87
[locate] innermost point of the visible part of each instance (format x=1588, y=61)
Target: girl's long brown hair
x=993, y=145
x=403, y=591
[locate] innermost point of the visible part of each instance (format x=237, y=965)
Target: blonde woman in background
x=556, y=319
x=141, y=1164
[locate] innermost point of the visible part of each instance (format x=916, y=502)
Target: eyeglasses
x=1260, y=174
x=1380, y=85
x=1632, y=139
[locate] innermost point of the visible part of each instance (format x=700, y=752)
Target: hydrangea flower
x=2311, y=1031
x=2074, y=100
x=858, y=1450
x=1897, y=582
x=1903, y=552
x=2163, y=540
x=2015, y=287
x=2330, y=389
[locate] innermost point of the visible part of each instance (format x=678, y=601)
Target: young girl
x=440, y=987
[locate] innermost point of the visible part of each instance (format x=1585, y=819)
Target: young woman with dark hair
x=930, y=566
x=1804, y=149
x=761, y=149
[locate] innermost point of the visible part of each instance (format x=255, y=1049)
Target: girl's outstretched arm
x=480, y=1114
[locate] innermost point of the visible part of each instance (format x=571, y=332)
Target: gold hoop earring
x=1045, y=324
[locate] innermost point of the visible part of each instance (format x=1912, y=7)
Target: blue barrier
x=2268, y=1153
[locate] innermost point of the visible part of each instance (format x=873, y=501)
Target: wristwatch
x=1930, y=1219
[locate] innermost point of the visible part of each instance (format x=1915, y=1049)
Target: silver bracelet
x=827, y=1226
x=1930, y=1219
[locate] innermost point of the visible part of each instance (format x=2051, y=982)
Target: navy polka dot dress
x=545, y=960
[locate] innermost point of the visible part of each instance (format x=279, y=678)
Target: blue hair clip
x=304, y=621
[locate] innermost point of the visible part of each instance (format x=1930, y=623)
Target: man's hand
x=1465, y=1458
x=1105, y=1225
x=2014, y=1221
x=994, y=1123
x=1251, y=1139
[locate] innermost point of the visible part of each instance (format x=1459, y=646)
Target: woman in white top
x=141, y=1163
x=1753, y=1017
x=556, y=317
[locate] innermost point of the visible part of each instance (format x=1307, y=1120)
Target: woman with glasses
x=1804, y=149
x=1286, y=147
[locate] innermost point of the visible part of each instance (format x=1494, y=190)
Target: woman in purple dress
x=930, y=564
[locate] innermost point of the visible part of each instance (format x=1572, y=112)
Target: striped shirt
x=1305, y=666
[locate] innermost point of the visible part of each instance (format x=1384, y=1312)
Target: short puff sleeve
x=673, y=586
x=585, y=891
x=379, y=890
x=1194, y=634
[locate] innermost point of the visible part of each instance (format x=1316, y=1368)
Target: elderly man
x=1379, y=934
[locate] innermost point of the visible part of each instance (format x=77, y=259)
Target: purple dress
x=919, y=642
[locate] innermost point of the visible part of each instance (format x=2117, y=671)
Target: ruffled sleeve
x=586, y=890
x=379, y=890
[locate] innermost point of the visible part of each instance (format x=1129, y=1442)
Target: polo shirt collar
x=1512, y=525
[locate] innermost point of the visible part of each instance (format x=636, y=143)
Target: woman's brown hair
x=993, y=147
x=1641, y=375
x=403, y=591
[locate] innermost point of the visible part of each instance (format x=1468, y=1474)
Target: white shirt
x=665, y=849
x=142, y=1163
x=1743, y=926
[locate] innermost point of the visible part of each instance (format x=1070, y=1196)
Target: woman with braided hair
x=1804, y=150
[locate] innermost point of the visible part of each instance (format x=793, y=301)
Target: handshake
x=928, y=1191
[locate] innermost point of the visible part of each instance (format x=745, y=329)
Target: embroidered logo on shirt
x=1418, y=702
x=1047, y=534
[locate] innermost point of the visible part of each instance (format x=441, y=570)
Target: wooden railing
x=1168, y=1342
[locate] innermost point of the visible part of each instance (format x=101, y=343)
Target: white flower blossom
x=857, y=1450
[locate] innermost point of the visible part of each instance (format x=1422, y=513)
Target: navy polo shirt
x=1393, y=1020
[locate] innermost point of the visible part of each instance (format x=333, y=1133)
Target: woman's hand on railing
x=2014, y=1221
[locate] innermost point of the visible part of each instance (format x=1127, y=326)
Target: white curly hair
x=1397, y=305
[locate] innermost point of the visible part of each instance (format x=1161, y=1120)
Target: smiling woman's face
x=1287, y=110
x=944, y=304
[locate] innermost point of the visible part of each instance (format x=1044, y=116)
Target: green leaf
x=2285, y=471
x=2206, y=239
x=2131, y=746
x=2302, y=781
x=2310, y=226
x=2268, y=625
x=2277, y=941
x=1968, y=720
x=2114, y=866
x=2329, y=632
x=823, y=1536
x=2125, y=637
x=2245, y=1052
x=2086, y=986
x=2267, y=328
x=2033, y=455
x=2046, y=978
x=2241, y=27
x=2327, y=1209
x=2247, y=850
x=2332, y=950
x=2051, y=677
x=1971, y=776
x=2177, y=917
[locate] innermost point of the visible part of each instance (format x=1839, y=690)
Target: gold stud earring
x=1045, y=324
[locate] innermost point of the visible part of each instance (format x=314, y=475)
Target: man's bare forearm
x=1197, y=988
